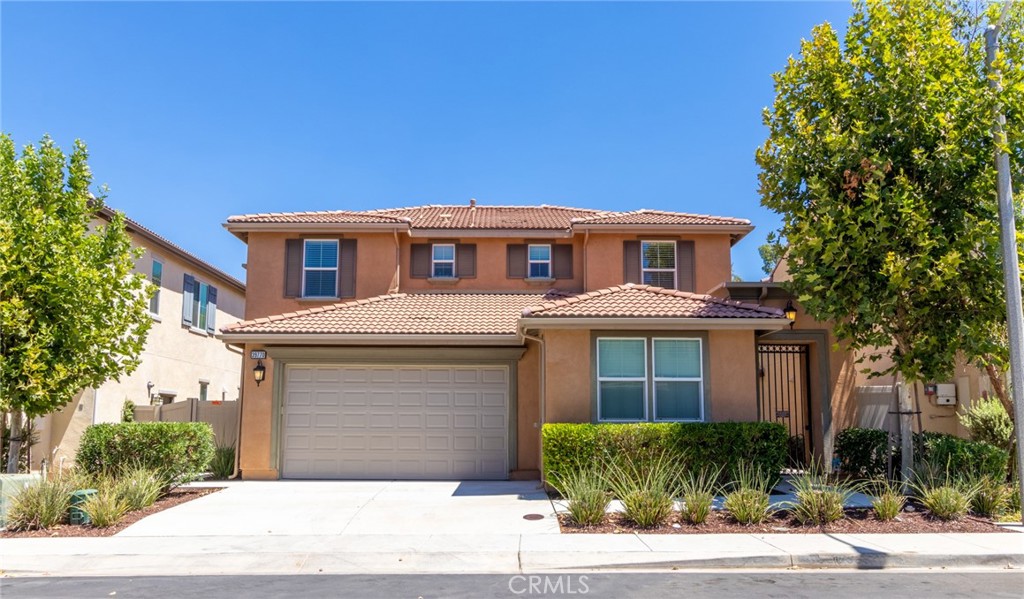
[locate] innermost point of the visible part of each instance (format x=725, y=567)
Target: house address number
x=258, y=354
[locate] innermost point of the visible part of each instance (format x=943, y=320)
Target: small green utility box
x=77, y=515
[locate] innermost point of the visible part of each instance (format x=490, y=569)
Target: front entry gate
x=784, y=395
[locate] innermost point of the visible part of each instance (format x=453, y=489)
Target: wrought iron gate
x=784, y=394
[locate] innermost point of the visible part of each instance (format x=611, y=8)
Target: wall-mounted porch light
x=259, y=372
x=790, y=312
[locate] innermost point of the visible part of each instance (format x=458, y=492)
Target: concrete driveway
x=314, y=508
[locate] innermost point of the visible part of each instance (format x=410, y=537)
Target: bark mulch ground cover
x=856, y=521
x=175, y=497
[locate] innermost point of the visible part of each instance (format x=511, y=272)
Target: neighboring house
x=181, y=359
x=434, y=342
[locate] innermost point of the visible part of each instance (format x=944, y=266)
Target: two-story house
x=434, y=342
x=182, y=358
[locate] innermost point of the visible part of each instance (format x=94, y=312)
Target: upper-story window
x=199, y=305
x=539, y=259
x=658, y=263
x=155, y=277
x=320, y=268
x=442, y=262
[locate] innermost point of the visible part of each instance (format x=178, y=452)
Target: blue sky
x=196, y=111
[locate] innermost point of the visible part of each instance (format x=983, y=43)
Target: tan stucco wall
x=528, y=407
x=605, y=266
x=567, y=376
x=174, y=359
x=255, y=452
x=733, y=383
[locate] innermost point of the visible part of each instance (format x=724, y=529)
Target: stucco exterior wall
x=255, y=451
x=174, y=359
x=528, y=416
x=712, y=258
x=733, y=385
x=567, y=376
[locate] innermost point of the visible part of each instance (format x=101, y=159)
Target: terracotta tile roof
x=404, y=314
x=327, y=216
x=659, y=217
x=644, y=301
x=555, y=218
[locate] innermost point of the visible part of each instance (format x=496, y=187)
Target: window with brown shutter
x=419, y=261
x=516, y=266
x=561, y=256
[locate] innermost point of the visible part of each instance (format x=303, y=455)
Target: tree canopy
x=72, y=311
x=880, y=161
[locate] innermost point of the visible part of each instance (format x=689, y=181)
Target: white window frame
x=204, y=390
x=199, y=307
x=600, y=379
x=336, y=268
x=434, y=261
x=675, y=258
x=530, y=261
x=155, y=298
x=656, y=379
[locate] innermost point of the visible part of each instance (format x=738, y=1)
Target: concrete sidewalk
x=496, y=553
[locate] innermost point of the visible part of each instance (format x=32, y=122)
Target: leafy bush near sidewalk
x=137, y=487
x=586, y=495
x=864, y=452
x=888, y=499
x=41, y=504
x=647, y=490
x=179, y=451
x=223, y=464
x=697, y=489
x=105, y=508
x=820, y=496
x=696, y=446
x=747, y=499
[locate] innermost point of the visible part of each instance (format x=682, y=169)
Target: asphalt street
x=931, y=584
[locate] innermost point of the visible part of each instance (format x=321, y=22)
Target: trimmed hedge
x=179, y=451
x=864, y=452
x=571, y=447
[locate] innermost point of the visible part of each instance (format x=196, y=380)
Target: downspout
x=237, y=472
x=541, y=395
x=586, y=238
x=398, y=265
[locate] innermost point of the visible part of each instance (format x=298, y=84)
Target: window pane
x=622, y=400
x=321, y=254
x=621, y=358
x=320, y=283
x=679, y=358
x=158, y=273
x=540, y=252
x=659, y=254
x=540, y=270
x=201, y=307
x=677, y=400
x=444, y=269
x=444, y=252
x=660, y=279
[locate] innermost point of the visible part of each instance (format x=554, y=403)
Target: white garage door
x=405, y=422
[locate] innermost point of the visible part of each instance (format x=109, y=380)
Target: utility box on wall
x=945, y=394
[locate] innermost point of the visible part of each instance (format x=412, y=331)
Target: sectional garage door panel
x=407, y=422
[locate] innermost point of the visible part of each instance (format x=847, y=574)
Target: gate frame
x=803, y=352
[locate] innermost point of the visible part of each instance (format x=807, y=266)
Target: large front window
x=320, y=268
x=658, y=263
x=650, y=379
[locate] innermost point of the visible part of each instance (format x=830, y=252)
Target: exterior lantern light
x=790, y=313
x=259, y=372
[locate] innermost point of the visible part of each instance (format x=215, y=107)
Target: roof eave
x=235, y=338
x=651, y=323
x=240, y=228
x=493, y=233
x=736, y=229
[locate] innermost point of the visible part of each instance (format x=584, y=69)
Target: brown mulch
x=175, y=497
x=856, y=521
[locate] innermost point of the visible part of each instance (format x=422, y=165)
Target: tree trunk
x=999, y=388
x=15, y=445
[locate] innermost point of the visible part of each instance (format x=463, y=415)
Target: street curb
x=824, y=561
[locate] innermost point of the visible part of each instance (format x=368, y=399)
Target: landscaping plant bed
x=857, y=521
x=174, y=497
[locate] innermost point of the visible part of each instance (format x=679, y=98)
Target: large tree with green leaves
x=880, y=161
x=72, y=311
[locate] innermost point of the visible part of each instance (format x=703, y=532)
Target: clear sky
x=197, y=111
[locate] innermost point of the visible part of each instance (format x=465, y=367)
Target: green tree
x=771, y=252
x=880, y=161
x=72, y=312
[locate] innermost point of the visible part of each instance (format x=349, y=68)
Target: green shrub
x=128, y=411
x=138, y=487
x=586, y=495
x=40, y=505
x=179, y=451
x=820, y=497
x=223, y=464
x=945, y=502
x=863, y=452
x=747, y=500
x=989, y=423
x=697, y=492
x=697, y=446
x=990, y=496
x=105, y=508
x=888, y=500
x=646, y=489
x=1013, y=496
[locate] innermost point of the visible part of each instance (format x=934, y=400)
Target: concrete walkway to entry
x=312, y=508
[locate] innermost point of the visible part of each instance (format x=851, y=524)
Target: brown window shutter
x=419, y=261
x=561, y=261
x=293, y=268
x=516, y=261
x=346, y=268
x=685, y=276
x=465, y=260
x=631, y=262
